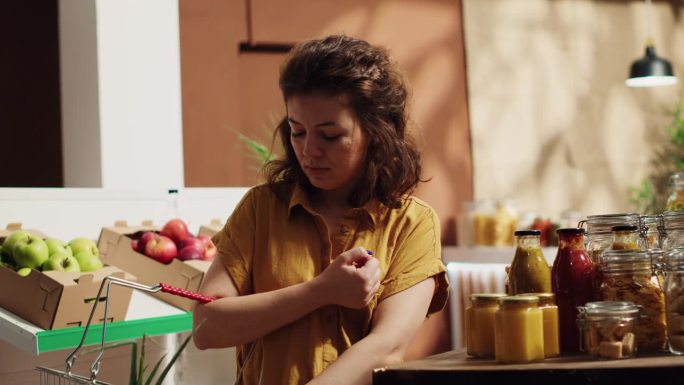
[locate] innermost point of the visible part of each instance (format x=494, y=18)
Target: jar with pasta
x=629, y=276
x=674, y=299
x=599, y=231
x=608, y=329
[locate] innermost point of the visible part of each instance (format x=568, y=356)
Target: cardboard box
x=54, y=299
x=115, y=248
x=212, y=228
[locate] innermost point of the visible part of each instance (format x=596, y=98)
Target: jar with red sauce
x=574, y=282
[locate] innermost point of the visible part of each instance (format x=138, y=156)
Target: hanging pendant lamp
x=651, y=70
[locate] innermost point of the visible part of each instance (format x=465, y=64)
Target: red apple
x=176, y=229
x=161, y=249
x=210, y=252
x=193, y=242
x=144, y=238
x=189, y=253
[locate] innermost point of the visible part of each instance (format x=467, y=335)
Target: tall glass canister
x=672, y=230
x=674, y=299
x=675, y=199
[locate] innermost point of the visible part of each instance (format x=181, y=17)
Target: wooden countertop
x=455, y=367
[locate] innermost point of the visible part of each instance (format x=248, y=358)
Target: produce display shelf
x=146, y=315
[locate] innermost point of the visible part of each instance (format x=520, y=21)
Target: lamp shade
x=651, y=71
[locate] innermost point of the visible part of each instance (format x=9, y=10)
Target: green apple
x=57, y=245
x=88, y=261
x=24, y=271
x=61, y=261
x=83, y=244
x=31, y=252
x=8, y=245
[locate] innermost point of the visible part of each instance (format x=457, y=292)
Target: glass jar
x=626, y=237
x=674, y=299
x=479, y=324
x=650, y=230
x=573, y=280
x=675, y=199
x=529, y=272
x=518, y=330
x=547, y=303
x=608, y=328
x=672, y=230
x=599, y=235
x=629, y=276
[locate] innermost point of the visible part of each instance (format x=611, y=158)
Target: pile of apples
x=22, y=252
x=174, y=241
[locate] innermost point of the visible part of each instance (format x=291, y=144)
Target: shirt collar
x=371, y=210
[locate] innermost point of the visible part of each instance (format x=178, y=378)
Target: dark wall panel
x=30, y=116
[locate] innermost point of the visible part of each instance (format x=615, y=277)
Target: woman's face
x=328, y=140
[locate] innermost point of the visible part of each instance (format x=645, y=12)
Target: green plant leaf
x=261, y=152
x=154, y=370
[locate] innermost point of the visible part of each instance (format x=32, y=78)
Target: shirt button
x=344, y=229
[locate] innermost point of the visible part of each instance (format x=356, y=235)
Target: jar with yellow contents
x=518, y=330
x=547, y=303
x=479, y=324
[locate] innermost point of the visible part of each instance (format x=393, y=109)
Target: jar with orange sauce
x=479, y=324
x=518, y=330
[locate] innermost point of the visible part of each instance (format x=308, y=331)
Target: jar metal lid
x=621, y=228
x=486, y=297
x=523, y=233
x=602, y=224
x=519, y=299
x=623, y=260
x=570, y=231
x=544, y=298
x=600, y=309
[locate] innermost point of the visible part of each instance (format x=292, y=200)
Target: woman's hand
x=351, y=280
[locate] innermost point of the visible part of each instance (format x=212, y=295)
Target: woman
x=328, y=270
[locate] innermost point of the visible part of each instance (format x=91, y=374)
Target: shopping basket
x=50, y=376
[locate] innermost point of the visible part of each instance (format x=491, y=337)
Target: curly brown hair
x=342, y=65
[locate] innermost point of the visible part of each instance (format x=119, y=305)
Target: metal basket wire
x=50, y=376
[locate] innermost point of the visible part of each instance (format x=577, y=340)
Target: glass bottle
x=547, y=303
x=625, y=237
x=628, y=275
x=608, y=329
x=529, y=273
x=674, y=299
x=573, y=282
x=675, y=199
x=599, y=236
x=672, y=230
x=518, y=330
x=479, y=324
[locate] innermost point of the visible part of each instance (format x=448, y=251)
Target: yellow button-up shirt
x=268, y=244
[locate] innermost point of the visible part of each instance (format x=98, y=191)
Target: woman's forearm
x=237, y=320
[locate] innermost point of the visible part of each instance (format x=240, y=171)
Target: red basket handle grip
x=166, y=288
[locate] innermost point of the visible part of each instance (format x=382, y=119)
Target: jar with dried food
x=479, y=324
x=629, y=276
x=674, y=299
x=529, y=272
x=599, y=234
x=607, y=328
